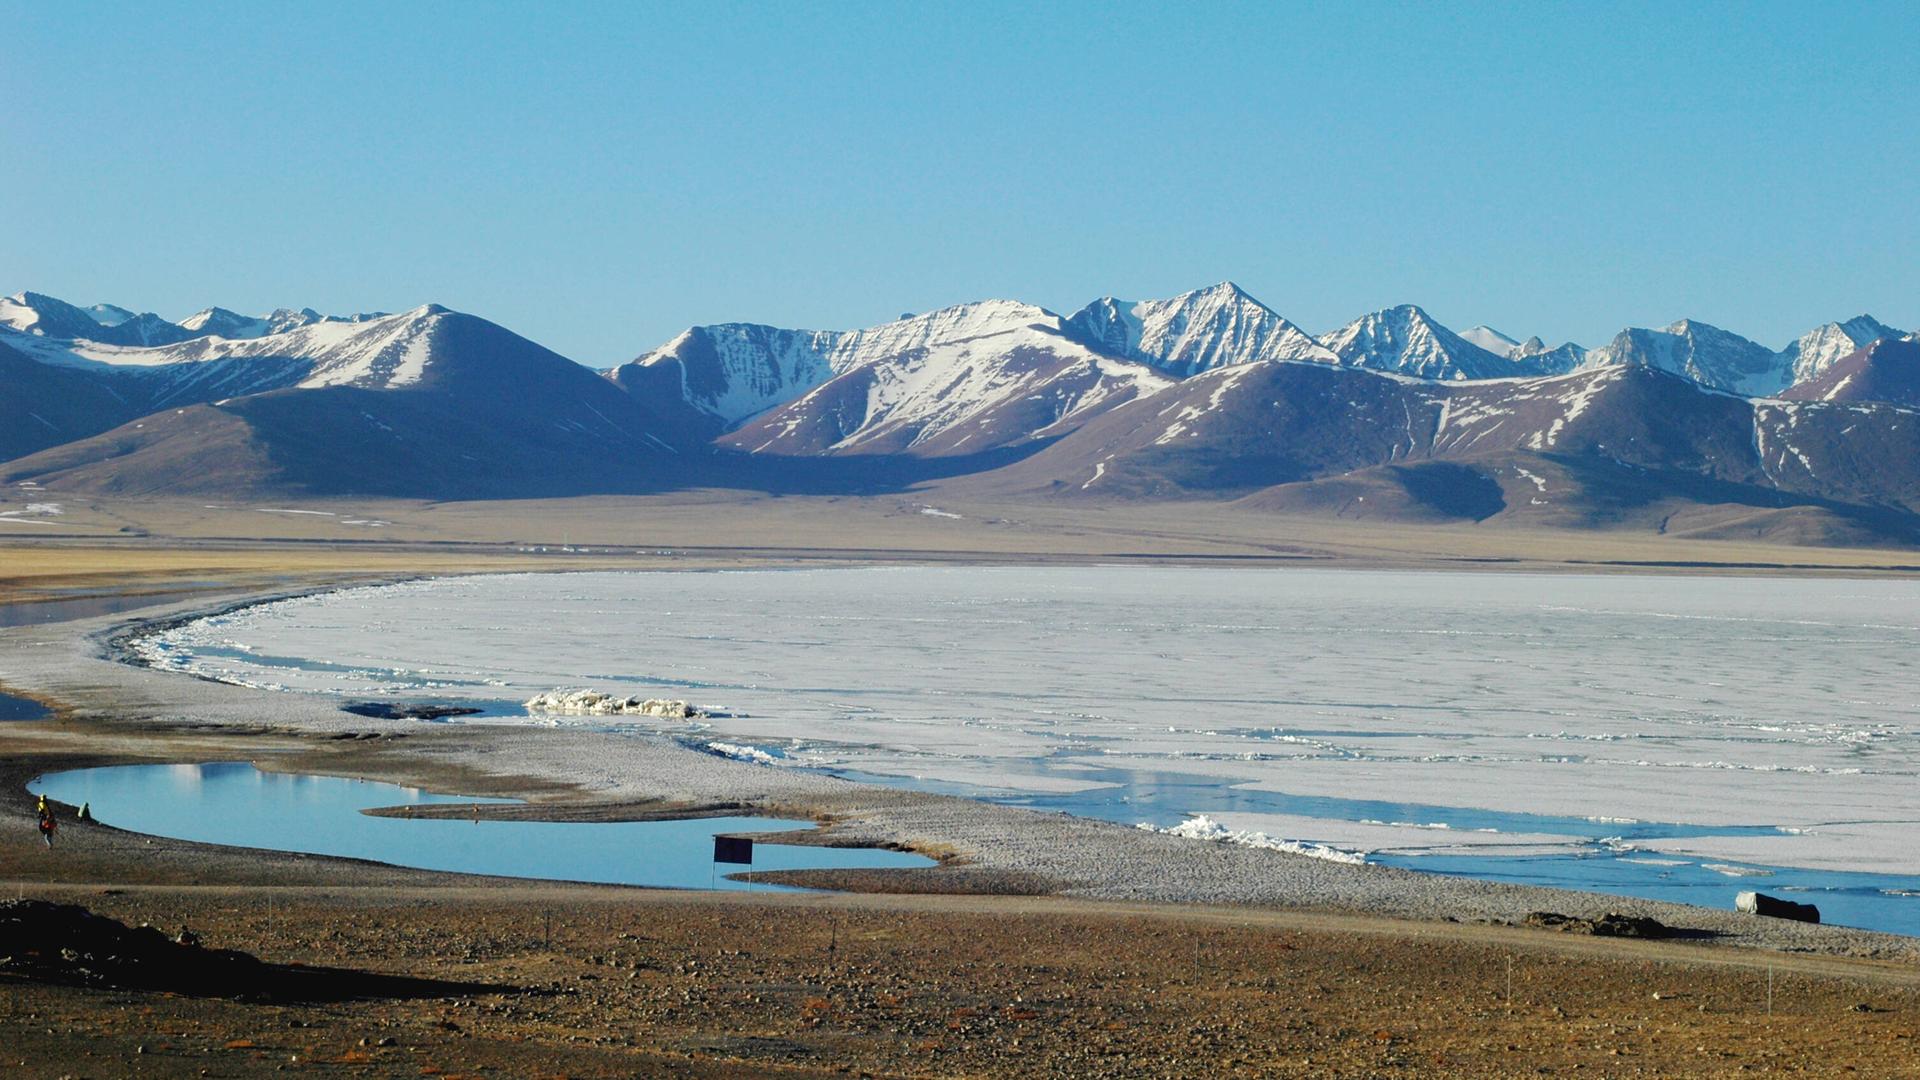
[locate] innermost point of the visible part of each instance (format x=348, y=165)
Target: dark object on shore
x=733, y=849
x=67, y=943
x=398, y=710
x=1754, y=903
x=1612, y=924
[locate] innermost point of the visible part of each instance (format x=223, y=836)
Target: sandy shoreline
x=579, y=775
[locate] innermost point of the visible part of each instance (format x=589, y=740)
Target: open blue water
x=1868, y=901
x=1599, y=856
x=13, y=707
x=235, y=804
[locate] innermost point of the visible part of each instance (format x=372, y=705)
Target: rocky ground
x=543, y=980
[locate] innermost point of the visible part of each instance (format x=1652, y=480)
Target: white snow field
x=1403, y=712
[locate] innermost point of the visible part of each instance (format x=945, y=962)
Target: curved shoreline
x=599, y=778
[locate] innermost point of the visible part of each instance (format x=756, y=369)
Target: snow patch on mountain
x=381, y=354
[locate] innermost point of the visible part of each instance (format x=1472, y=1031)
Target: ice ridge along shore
x=595, y=703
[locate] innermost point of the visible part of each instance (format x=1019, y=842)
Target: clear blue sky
x=597, y=177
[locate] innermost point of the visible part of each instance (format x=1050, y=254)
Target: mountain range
x=1207, y=395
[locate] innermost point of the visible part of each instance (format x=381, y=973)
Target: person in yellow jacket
x=47, y=824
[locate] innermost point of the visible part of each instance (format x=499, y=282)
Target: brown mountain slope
x=489, y=415
x=43, y=406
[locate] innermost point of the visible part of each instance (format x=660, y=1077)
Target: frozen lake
x=1636, y=733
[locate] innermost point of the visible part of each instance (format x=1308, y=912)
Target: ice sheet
x=1724, y=702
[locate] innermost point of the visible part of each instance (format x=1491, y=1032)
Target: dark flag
x=733, y=849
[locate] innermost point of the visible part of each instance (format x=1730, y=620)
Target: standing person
x=43, y=809
x=47, y=825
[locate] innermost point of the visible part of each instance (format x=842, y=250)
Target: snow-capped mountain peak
x=1407, y=340
x=219, y=322
x=281, y=320
x=977, y=379
x=1217, y=326
x=1530, y=357
x=52, y=319
x=1820, y=348
x=1727, y=361
x=1699, y=351
x=46, y=316
x=49, y=317
x=734, y=371
x=109, y=314
x=1496, y=342
x=1885, y=370
x=1536, y=357
x=380, y=353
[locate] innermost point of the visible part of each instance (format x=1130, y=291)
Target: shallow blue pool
x=236, y=804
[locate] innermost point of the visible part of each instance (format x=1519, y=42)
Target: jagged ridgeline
x=1685, y=429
